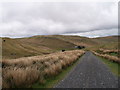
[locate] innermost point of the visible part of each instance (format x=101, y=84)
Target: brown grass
x=24, y=72
x=111, y=58
x=108, y=51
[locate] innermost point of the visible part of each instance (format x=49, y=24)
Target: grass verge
x=52, y=81
x=114, y=54
x=114, y=67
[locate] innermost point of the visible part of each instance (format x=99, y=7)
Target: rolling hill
x=45, y=44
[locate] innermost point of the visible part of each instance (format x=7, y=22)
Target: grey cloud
x=99, y=33
x=27, y=19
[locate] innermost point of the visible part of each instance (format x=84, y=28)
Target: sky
x=89, y=19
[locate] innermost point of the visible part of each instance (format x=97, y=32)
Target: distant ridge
x=45, y=44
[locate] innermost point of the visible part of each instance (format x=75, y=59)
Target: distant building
x=79, y=47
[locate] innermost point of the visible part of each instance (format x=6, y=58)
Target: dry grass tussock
x=111, y=58
x=24, y=72
x=108, y=51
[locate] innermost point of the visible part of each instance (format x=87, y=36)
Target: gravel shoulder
x=90, y=72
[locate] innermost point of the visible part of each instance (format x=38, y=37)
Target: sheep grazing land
x=26, y=71
x=109, y=57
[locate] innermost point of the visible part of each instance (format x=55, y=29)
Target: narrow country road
x=90, y=72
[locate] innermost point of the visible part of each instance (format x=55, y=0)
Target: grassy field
x=52, y=81
x=37, y=45
x=40, y=45
x=107, y=54
x=26, y=71
x=29, y=62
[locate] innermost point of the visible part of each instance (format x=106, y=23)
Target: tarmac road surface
x=90, y=72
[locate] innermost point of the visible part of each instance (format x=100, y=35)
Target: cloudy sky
x=90, y=19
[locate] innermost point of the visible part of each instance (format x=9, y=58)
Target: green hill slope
x=15, y=48
x=38, y=45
